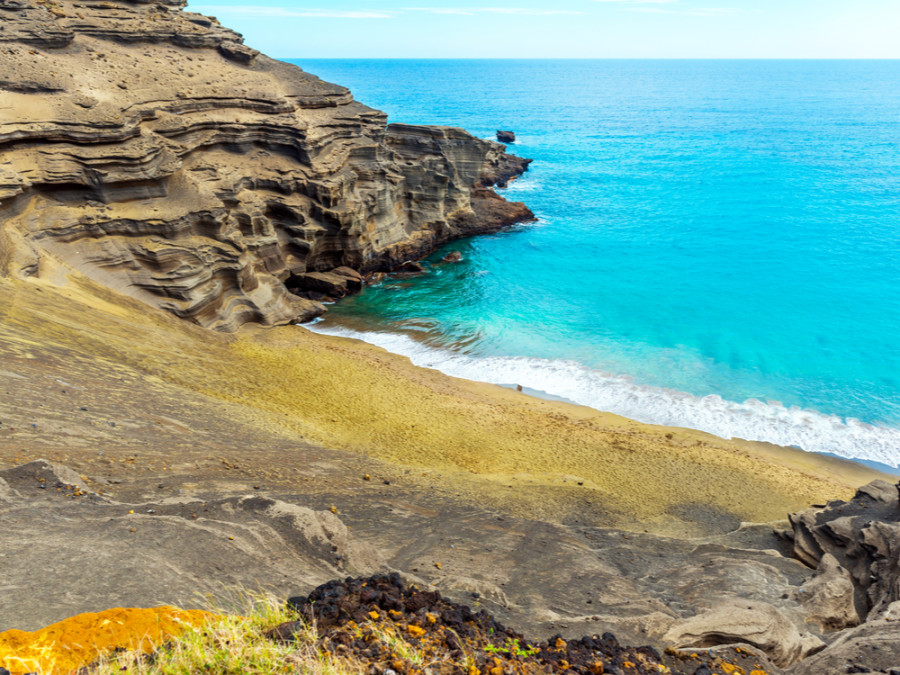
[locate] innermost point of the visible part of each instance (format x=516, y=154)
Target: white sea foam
x=750, y=420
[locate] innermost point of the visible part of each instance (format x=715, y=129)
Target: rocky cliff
x=151, y=150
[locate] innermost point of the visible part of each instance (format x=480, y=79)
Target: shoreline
x=783, y=429
x=871, y=464
x=542, y=459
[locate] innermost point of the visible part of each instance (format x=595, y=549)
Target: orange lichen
x=75, y=642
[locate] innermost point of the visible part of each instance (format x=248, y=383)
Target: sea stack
x=149, y=149
x=506, y=136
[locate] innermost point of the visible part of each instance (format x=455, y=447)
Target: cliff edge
x=151, y=150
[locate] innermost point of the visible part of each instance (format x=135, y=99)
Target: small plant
x=513, y=648
x=395, y=643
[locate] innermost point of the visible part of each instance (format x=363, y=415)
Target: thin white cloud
x=440, y=10
x=699, y=11
x=261, y=11
x=640, y=6
x=471, y=11
x=251, y=11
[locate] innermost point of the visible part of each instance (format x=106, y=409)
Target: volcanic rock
x=453, y=256
x=197, y=545
x=41, y=474
x=506, y=136
x=370, y=618
x=829, y=596
x=873, y=647
x=7, y=494
x=238, y=52
x=744, y=622
x=863, y=537
x=152, y=151
x=329, y=284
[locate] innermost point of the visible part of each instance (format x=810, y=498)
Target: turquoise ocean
x=718, y=243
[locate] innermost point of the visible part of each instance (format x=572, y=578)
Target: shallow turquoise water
x=718, y=245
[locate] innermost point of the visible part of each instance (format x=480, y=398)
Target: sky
x=565, y=28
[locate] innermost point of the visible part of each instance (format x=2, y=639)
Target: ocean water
x=718, y=244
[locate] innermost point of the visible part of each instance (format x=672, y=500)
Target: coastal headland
x=171, y=204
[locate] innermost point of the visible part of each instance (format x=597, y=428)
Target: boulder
x=238, y=52
x=453, y=256
x=506, y=136
x=722, y=654
x=43, y=473
x=829, y=596
x=879, y=491
x=873, y=647
x=739, y=621
x=892, y=613
x=862, y=536
x=332, y=285
x=348, y=272
x=411, y=267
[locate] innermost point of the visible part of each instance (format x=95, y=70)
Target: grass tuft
x=234, y=641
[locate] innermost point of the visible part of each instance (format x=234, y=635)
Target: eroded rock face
x=150, y=149
x=197, y=545
x=873, y=647
x=861, y=536
x=745, y=622
x=829, y=596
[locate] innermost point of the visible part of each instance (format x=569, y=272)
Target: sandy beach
x=541, y=459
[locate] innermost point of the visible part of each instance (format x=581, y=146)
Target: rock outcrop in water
x=151, y=150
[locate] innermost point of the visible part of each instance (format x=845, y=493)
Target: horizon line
x=590, y=58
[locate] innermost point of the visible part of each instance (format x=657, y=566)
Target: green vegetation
x=234, y=642
x=513, y=648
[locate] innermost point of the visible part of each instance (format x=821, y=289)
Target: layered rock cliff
x=151, y=150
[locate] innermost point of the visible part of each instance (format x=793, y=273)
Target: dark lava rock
x=381, y=620
x=506, y=137
x=453, y=256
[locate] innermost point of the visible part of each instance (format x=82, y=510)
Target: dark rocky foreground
x=363, y=618
x=149, y=149
x=705, y=597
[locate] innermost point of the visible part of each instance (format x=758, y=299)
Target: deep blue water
x=718, y=244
